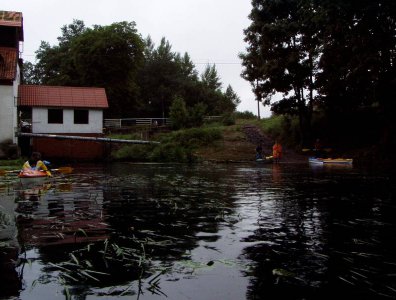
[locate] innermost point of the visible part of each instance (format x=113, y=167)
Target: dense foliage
x=332, y=57
x=175, y=146
x=141, y=80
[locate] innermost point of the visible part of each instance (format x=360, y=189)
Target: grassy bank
x=175, y=146
x=8, y=164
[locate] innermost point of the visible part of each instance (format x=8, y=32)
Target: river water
x=216, y=231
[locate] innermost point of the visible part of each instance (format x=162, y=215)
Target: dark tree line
x=331, y=56
x=141, y=80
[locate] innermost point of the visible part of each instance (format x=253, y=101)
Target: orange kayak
x=32, y=176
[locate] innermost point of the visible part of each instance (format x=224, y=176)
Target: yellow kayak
x=325, y=161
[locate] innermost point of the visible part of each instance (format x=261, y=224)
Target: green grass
x=11, y=163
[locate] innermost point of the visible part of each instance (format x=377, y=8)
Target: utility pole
x=258, y=108
x=258, y=100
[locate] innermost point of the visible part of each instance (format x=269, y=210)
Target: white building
x=11, y=35
x=61, y=110
x=64, y=110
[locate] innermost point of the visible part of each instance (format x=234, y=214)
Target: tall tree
x=98, y=54
x=103, y=56
x=281, y=57
x=210, y=78
x=160, y=77
x=358, y=71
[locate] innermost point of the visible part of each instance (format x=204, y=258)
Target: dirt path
x=240, y=145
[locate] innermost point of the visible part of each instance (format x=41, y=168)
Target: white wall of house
x=8, y=110
x=16, y=84
x=6, y=113
x=40, y=122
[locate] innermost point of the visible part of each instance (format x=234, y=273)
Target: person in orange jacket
x=277, y=151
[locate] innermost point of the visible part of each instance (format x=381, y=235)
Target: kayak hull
x=330, y=161
x=265, y=160
x=30, y=177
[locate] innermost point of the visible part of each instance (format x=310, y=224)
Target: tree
x=140, y=79
x=362, y=73
x=102, y=56
x=281, y=57
x=111, y=57
x=159, y=77
x=232, y=97
x=197, y=115
x=178, y=113
x=30, y=75
x=356, y=82
x=55, y=65
x=336, y=55
x=210, y=78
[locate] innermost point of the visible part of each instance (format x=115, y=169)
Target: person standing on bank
x=259, y=151
x=35, y=163
x=318, y=149
x=277, y=151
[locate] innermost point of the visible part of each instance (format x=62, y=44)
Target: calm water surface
x=156, y=231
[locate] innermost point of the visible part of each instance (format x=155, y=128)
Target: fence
x=128, y=122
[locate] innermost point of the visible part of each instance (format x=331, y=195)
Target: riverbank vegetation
x=175, y=146
x=298, y=63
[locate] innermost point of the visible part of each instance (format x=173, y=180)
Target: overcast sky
x=210, y=31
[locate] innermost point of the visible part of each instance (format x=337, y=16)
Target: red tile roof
x=8, y=63
x=11, y=18
x=62, y=96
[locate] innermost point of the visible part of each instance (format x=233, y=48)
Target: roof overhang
x=12, y=19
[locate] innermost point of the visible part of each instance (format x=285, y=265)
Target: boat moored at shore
x=330, y=161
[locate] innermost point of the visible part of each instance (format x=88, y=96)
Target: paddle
x=4, y=172
x=63, y=170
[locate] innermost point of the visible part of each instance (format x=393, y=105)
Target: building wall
x=7, y=113
x=16, y=84
x=40, y=122
x=69, y=149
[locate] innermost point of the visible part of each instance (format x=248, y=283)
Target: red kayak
x=32, y=177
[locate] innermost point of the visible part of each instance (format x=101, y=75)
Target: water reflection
x=180, y=231
x=326, y=236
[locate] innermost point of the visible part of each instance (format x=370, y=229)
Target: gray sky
x=210, y=31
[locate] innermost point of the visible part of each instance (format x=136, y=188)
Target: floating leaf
x=282, y=273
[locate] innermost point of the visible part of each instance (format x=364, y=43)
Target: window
x=55, y=116
x=80, y=116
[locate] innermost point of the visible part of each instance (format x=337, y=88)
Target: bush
x=228, y=119
x=244, y=115
x=177, y=146
x=196, y=137
x=197, y=115
x=178, y=113
x=132, y=153
x=282, y=127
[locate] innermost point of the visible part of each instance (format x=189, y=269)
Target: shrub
x=178, y=113
x=244, y=115
x=228, y=119
x=177, y=146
